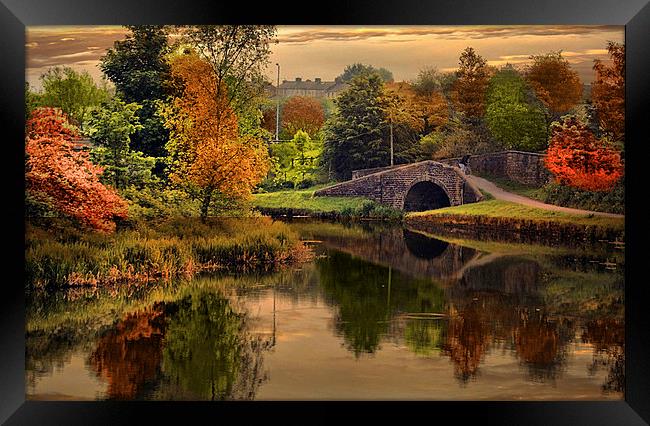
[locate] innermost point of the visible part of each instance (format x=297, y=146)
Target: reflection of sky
x=324, y=51
x=73, y=382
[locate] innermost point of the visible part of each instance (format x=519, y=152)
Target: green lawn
x=304, y=199
x=506, y=209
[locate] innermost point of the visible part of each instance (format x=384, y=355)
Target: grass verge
x=508, y=210
x=303, y=202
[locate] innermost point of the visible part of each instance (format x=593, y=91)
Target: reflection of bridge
x=408, y=252
x=419, y=186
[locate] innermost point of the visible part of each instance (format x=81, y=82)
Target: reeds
x=165, y=250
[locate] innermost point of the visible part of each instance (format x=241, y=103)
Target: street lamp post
x=277, y=106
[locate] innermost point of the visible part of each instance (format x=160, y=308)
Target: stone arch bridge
x=425, y=185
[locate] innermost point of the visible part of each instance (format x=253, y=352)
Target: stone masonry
x=524, y=167
x=390, y=186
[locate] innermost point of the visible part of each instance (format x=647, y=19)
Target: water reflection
x=209, y=353
x=371, y=297
x=608, y=337
x=128, y=356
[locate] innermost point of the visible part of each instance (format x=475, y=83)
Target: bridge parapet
x=393, y=186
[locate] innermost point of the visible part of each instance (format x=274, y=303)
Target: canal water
x=381, y=312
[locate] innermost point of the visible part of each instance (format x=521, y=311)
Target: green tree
x=513, y=114
x=111, y=128
x=75, y=93
x=283, y=155
x=32, y=101
x=305, y=163
x=140, y=72
x=354, y=134
x=428, y=81
x=357, y=69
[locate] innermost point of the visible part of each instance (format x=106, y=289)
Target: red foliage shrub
x=577, y=158
x=64, y=178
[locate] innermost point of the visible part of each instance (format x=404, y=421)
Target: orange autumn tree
x=469, y=90
x=302, y=113
x=555, y=83
x=430, y=110
x=608, y=92
x=208, y=156
x=577, y=158
x=64, y=178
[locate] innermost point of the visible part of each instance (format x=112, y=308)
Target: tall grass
x=164, y=250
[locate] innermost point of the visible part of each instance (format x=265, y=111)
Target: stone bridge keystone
x=419, y=186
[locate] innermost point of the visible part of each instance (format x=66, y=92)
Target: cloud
x=288, y=35
x=52, y=46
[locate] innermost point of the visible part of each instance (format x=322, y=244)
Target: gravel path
x=500, y=194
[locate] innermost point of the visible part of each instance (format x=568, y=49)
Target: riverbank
x=57, y=256
x=292, y=203
x=509, y=222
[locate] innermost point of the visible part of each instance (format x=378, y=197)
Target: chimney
x=317, y=80
x=298, y=79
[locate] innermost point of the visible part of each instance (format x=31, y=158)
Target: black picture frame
x=15, y=15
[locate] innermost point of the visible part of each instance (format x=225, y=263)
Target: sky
x=324, y=51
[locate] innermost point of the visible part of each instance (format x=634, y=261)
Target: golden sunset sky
x=324, y=51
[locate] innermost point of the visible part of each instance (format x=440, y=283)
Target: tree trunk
x=205, y=204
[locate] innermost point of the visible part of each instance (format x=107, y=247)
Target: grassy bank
x=304, y=203
x=57, y=257
x=612, y=201
x=506, y=221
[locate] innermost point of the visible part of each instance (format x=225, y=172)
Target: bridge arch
x=425, y=194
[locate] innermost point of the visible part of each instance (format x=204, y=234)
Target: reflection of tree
x=608, y=337
x=356, y=287
x=368, y=296
x=128, y=356
x=468, y=338
x=208, y=353
x=542, y=344
x=425, y=336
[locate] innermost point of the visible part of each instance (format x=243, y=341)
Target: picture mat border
x=15, y=15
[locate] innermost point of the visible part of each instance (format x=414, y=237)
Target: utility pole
x=391, y=141
x=277, y=106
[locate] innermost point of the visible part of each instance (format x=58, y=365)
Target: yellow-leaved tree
x=208, y=156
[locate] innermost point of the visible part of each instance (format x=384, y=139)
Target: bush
x=306, y=183
x=612, y=201
x=287, y=185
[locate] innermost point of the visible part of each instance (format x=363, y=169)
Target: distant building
x=312, y=89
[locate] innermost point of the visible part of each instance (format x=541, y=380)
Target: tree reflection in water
x=608, y=337
x=128, y=356
x=468, y=339
x=209, y=353
x=542, y=344
x=197, y=348
x=491, y=305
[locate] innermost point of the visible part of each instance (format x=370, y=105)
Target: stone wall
x=523, y=167
x=391, y=186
